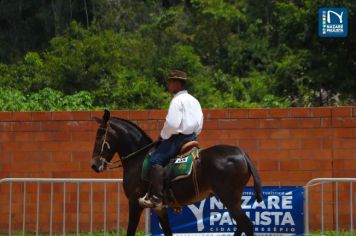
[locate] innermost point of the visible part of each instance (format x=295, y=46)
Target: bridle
x=111, y=164
x=101, y=157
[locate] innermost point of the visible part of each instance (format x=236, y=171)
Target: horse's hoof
x=149, y=202
x=145, y=203
x=158, y=207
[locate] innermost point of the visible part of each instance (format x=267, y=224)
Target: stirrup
x=147, y=202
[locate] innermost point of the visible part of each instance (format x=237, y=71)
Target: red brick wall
x=289, y=146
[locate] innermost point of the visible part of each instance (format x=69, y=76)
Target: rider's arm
x=200, y=126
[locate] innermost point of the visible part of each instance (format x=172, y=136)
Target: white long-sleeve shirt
x=184, y=116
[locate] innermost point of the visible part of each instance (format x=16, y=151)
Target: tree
x=237, y=53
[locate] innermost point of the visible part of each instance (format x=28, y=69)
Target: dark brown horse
x=221, y=170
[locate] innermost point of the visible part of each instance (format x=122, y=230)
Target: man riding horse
x=184, y=122
x=221, y=170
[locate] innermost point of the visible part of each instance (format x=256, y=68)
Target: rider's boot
x=154, y=200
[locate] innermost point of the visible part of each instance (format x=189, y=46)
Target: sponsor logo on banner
x=280, y=213
x=333, y=22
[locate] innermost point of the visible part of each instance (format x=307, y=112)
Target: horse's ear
x=106, y=116
x=98, y=120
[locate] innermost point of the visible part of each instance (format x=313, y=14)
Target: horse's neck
x=129, y=140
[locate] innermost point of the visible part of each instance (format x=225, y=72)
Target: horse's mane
x=134, y=125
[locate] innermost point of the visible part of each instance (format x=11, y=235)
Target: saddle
x=179, y=167
x=188, y=147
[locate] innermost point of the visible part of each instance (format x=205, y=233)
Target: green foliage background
x=92, y=54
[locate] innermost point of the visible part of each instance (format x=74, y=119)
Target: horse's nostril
x=95, y=168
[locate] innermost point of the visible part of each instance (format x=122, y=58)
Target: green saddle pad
x=178, y=168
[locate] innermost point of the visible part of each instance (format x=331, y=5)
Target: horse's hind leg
x=233, y=204
x=244, y=225
x=135, y=212
x=164, y=221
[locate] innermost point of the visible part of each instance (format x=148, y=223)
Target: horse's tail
x=256, y=179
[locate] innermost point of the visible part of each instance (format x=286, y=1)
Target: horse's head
x=104, y=148
x=116, y=135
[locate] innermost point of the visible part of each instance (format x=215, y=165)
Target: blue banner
x=333, y=22
x=280, y=213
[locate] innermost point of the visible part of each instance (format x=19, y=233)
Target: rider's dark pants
x=169, y=148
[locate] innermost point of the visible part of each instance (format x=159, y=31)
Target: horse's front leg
x=164, y=221
x=135, y=212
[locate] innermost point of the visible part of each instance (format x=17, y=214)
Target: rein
x=139, y=150
x=128, y=156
